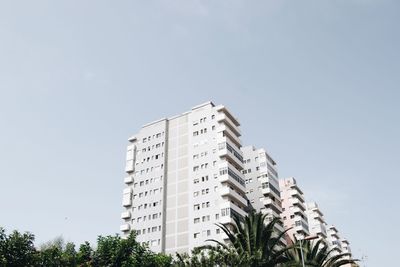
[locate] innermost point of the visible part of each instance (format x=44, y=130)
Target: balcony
x=130, y=166
x=319, y=230
x=223, y=110
x=297, y=210
x=127, y=190
x=228, y=174
x=228, y=210
x=295, y=193
x=302, y=221
x=226, y=191
x=334, y=235
x=127, y=200
x=267, y=201
x=266, y=191
x=279, y=227
x=227, y=150
x=125, y=227
x=223, y=118
x=319, y=219
x=128, y=180
x=125, y=215
x=227, y=132
x=296, y=202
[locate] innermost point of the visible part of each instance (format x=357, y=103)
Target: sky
x=316, y=83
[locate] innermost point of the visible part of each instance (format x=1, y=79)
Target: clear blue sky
x=314, y=82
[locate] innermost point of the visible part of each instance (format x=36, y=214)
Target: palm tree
x=252, y=242
x=316, y=254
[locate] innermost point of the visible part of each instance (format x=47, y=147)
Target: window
x=225, y=212
x=196, y=220
x=196, y=133
x=212, y=117
x=205, y=218
x=196, y=235
x=196, y=207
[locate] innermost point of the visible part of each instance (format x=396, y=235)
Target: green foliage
x=16, y=249
x=316, y=254
x=252, y=243
x=84, y=255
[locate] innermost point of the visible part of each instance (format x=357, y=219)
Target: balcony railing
x=125, y=227
x=224, y=145
x=232, y=174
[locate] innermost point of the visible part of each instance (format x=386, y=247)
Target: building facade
x=262, y=184
x=316, y=222
x=333, y=240
x=293, y=209
x=187, y=173
x=184, y=175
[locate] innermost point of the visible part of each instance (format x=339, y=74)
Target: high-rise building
x=262, y=184
x=345, y=244
x=316, y=221
x=333, y=240
x=187, y=173
x=184, y=175
x=293, y=209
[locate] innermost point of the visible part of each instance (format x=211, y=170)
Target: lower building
x=316, y=221
x=293, y=209
x=262, y=185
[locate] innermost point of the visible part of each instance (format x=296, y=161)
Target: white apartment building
x=345, y=244
x=316, y=222
x=184, y=175
x=262, y=184
x=333, y=240
x=293, y=209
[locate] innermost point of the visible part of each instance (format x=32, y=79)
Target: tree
x=69, y=255
x=252, y=243
x=16, y=249
x=50, y=253
x=316, y=254
x=84, y=255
